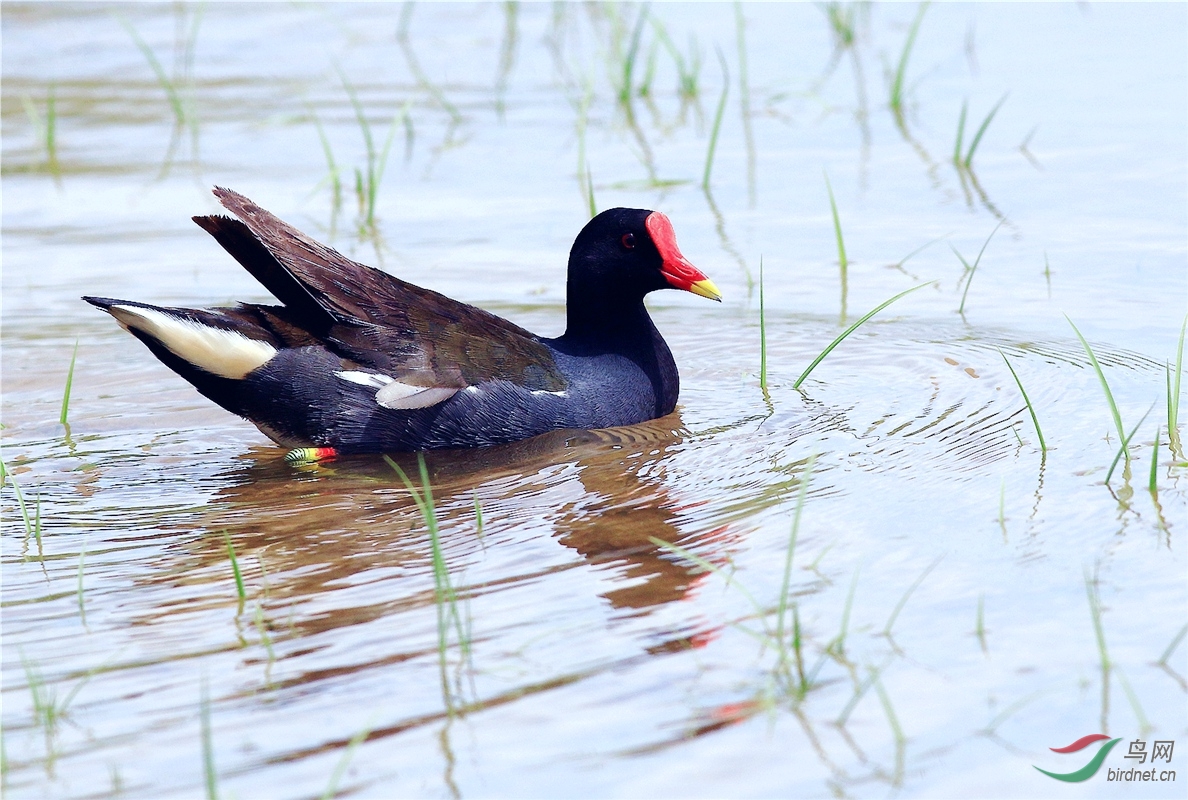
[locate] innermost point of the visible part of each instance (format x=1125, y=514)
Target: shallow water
x=944, y=570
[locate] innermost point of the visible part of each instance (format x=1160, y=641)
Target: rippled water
x=618, y=608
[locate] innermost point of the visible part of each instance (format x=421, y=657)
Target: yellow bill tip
x=706, y=288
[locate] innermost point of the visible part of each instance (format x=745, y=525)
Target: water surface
x=946, y=575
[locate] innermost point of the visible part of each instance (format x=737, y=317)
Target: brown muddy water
x=958, y=602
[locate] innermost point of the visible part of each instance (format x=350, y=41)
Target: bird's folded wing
x=418, y=336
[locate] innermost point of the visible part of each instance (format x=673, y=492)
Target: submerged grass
x=344, y=762
x=82, y=609
x=842, y=261
x=1030, y=407
x=786, y=582
x=713, y=141
x=853, y=328
x=1171, y=648
x=368, y=179
x=1098, y=631
x=907, y=595
x=980, y=622
x=209, y=773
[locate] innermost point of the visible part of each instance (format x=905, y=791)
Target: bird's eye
x=628, y=241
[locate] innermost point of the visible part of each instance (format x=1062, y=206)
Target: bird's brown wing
x=415, y=335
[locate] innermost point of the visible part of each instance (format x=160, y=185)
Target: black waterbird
x=355, y=360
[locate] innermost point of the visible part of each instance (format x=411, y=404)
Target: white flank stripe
x=372, y=379
x=397, y=395
x=224, y=353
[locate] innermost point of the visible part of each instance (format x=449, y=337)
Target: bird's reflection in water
x=603, y=494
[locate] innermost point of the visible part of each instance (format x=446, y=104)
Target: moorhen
x=355, y=360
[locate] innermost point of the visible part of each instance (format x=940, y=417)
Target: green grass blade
x=82, y=609
x=628, y=72
x=175, y=100
x=1095, y=614
x=786, y=584
x=973, y=145
x=841, y=247
x=974, y=268
x=713, y=142
x=1173, y=399
x=901, y=70
x=1125, y=447
x=708, y=567
x=853, y=328
x=1171, y=648
x=331, y=165
x=239, y=590
x=1152, y=482
x=20, y=497
x=960, y=132
x=344, y=762
x=1105, y=386
x=1026, y=399
x=209, y=774
x=590, y=194
x=69, y=383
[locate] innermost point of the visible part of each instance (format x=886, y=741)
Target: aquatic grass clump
x=1109, y=395
x=179, y=86
x=368, y=179
x=46, y=131
x=688, y=70
x=851, y=329
x=1124, y=447
x=786, y=637
x=896, y=100
x=444, y=592
x=717, y=128
x=968, y=274
x=966, y=162
x=626, y=79
x=32, y=525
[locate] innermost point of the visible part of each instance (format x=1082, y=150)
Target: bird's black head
x=624, y=253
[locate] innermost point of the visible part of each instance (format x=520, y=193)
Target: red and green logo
x=1089, y=770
